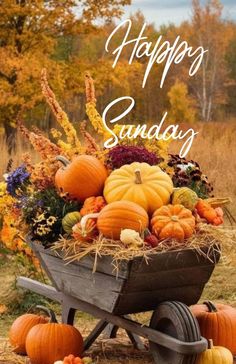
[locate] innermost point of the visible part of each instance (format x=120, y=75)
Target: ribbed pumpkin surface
x=121, y=215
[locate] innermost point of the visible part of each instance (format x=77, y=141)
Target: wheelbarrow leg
x=68, y=314
x=101, y=325
x=111, y=332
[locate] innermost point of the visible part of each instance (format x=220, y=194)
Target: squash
x=121, y=215
x=147, y=186
x=47, y=343
x=207, y=212
x=20, y=328
x=131, y=238
x=85, y=232
x=186, y=197
x=92, y=205
x=69, y=220
x=173, y=222
x=215, y=355
x=82, y=178
x=217, y=322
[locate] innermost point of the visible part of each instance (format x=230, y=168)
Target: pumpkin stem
x=210, y=344
x=211, y=307
x=50, y=313
x=84, y=220
x=63, y=160
x=138, y=179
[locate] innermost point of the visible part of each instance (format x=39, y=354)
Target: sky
x=172, y=11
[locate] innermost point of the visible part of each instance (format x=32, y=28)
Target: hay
x=208, y=236
x=8, y=357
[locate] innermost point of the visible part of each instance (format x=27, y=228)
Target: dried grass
x=207, y=236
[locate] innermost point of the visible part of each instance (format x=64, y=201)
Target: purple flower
x=17, y=179
x=121, y=155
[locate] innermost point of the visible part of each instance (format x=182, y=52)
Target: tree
x=29, y=34
x=212, y=33
x=182, y=106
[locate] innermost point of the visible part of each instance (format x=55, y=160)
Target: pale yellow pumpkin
x=147, y=186
x=215, y=355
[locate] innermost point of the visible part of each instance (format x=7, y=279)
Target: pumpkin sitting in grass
x=215, y=355
x=47, y=343
x=20, y=329
x=173, y=222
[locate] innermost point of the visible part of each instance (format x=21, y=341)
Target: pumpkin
x=82, y=178
x=217, y=322
x=71, y=359
x=207, y=212
x=146, y=185
x=92, y=205
x=69, y=220
x=121, y=215
x=47, y=343
x=186, y=197
x=215, y=355
x=20, y=328
x=173, y=222
x=85, y=231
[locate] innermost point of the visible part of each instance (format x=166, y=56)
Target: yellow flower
x=51, y=220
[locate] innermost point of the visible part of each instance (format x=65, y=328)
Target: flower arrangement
x=136, y=186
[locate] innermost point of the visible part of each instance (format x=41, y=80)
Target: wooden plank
x=140, y=330
x=39, y=288
x=168, y=278
x=101, y=325
x=81, y=283
x=173, y=260
x=147, y=301
x=104, y=264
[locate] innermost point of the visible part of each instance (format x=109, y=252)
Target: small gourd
x=186, y=197
x=69, y=220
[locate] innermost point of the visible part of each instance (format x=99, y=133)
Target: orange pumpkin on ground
x=92, y=205
x=20, y=329
x=47, y=343
x=71, y=359
x=173, y=222
x=82, y=178
x=217, y=322
x=213, y=216
x=121, y=215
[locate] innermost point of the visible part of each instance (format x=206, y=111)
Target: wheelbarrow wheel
x=176, y=320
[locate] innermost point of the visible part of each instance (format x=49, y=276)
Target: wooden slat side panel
x=147, y=301
x=79, y=282
x=103, y=265
x=168, y=278
x=174, y=260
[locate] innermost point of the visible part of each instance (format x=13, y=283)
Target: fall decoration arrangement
x=133, y=200
x=135, y=197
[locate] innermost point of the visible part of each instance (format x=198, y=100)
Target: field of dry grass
x=215, y=150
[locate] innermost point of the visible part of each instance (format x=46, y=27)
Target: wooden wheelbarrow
x=166, y=285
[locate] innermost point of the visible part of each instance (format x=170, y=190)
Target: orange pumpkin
x=217, y=322
x=47, y=343
x=213, y=216
x=121, y=215
x=71, y=359
x=92, y=205
x=20, y=328
x=82, y=178
x=174, y=222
